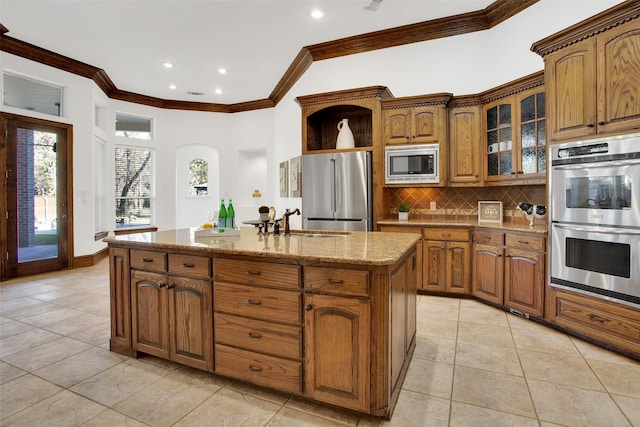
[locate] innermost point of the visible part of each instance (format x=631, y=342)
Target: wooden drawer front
x=149, y=260
x=190, y=266
x=526, y=241
x=260, y=303
x=257, y=273
x=457, y=234
x=489, y=236
x=269, y=371
x=400, y=229
x=257, y=335
x=573, y=313
x=337, y=281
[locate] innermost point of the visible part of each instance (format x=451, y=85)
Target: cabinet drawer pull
x=446, y=234
x=255, y=368
x=250, y=302
x=146, y=260
x=334, y=282
x=252, y=273
x=162, y=285
x=599, y=319
x=523, y=242
x=171, y=286
x=188, y=265
x=589, y=125
x=600, y=123
x=308, y=307
x=254, y=336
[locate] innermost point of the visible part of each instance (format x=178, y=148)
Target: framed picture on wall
x=295, y=175
x=284, y=179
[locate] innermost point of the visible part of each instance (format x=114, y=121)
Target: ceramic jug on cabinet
x=345, y=136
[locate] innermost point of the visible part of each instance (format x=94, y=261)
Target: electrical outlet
x=432, y=206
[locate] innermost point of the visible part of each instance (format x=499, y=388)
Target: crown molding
x=590, y=27
x=492, y=15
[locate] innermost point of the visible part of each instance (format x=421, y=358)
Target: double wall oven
x=595, y=217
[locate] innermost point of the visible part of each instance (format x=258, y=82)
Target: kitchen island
x=330, y=316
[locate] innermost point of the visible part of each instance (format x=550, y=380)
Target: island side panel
x=393, y=329
x=120, y=289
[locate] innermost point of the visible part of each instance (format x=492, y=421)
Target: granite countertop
x=354, y=247
x=538, y=227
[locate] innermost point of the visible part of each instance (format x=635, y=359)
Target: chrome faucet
x=286, y=216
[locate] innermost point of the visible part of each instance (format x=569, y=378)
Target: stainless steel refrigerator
x=337, y=191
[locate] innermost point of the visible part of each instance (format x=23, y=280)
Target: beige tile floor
x=473, y=366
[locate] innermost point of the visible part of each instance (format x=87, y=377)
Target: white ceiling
x=255, y=40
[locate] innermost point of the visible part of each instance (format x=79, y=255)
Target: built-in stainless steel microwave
x=412, y=164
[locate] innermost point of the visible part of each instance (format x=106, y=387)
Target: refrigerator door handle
x=333, y=190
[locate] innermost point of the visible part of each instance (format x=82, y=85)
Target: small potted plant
x=403, y=211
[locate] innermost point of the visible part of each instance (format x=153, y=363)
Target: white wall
x=464, y=64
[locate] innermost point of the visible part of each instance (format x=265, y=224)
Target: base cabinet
x=614, y=325
x=337, y=353
x=173, y=318
x=447, y=260
x=488, y=272
x=337, y=333
x=509, y=269
x=524, y=276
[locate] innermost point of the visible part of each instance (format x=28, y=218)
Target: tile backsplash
x=462, y=202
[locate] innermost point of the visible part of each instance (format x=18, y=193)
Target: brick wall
x=26, y=211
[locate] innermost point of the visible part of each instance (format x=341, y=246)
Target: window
x=133, y=172
x=100, y=200
x=198, y=177
x=129, y=126
x=20, y=92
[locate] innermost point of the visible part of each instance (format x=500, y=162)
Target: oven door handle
x=618, y=231
x=608, y=164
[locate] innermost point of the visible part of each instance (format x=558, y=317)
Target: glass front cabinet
x=514, y=138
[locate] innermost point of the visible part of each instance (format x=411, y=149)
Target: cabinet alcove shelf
x=322, y=126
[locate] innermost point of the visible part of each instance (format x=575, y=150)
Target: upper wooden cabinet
x=592, y=73
x=321, y=114
x=514, y=132
x=465, y=138
x=415, y=119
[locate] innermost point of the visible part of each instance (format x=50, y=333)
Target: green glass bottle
x=222, y=215
x=231, y=215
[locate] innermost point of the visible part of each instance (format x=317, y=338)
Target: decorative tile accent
x=462, y=202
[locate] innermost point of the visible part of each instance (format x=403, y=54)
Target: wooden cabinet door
x=531, y=156
x=488, y=273
x=191, y=316
x=150, y=314
x=397, y=126
x=435, y=265
x=619, y=78
x=570, y=79
x=499, y=140
x=524, y=281
x=425, y=125
x=465, y=127
x=458, y=267
x=120, y=284
x=337, y=350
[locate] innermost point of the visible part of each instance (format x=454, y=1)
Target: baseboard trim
x=89, y=260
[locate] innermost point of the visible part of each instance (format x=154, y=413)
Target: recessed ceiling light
x=317, y=13
x=168, y=65
x=172, y=87
x=222, y=70
x=218, y=91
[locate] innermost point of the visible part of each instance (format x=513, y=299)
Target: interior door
x=37, y=202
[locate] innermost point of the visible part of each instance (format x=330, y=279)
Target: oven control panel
x=583, y=150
